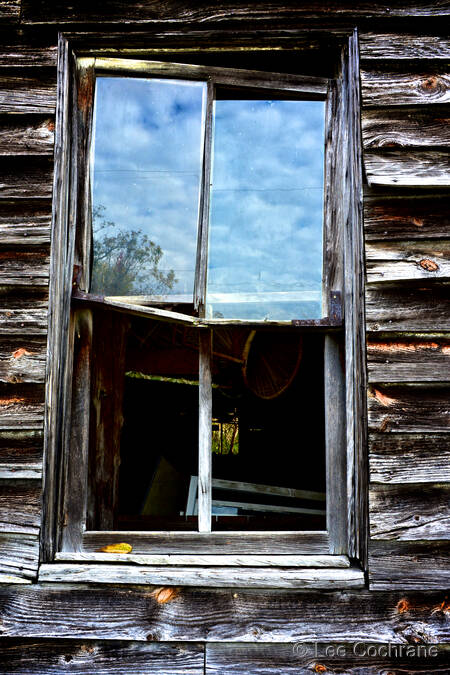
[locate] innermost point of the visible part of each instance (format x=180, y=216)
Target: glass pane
x=265, y=249
x=159, y=441
x=147, y=163
x=268, y=431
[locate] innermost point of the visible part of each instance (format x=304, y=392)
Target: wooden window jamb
x=271, y=542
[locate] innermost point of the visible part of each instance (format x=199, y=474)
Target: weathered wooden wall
x=405, y=125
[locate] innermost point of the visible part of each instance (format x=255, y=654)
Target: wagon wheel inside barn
x=271, y=361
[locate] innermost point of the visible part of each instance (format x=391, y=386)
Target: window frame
x=65, y=536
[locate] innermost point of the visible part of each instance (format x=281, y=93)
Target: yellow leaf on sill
x=116, y=548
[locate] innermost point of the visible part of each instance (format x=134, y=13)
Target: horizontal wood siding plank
x=411, y=409
x=409, y=512
x=406, y=359
x=102, y=658
x=48, y=11
x=194, y=614
x=25, y=180
x=20, y=507
x=22, y=93
x=21, y=449
x=24, y=135
x=10, y=11
x=21, y=406
x=24, y=268
x=23, y=54
x=406, y=217
x=24, y=322
x=424, y=308
x=22, y=360
x=23, y=224
x=408, y=260
x=407, y=168
x=381, y=88
x=406, y=127
x=398, y=46
x=409, y=458
x=216, y=577
x=19, y=556
x=406, y=565
x=305, y=658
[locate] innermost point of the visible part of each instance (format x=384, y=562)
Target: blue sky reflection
x=147, y=166
x=265, y=249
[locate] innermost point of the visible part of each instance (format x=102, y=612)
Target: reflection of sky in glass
x=265, y=249
x=147, y=168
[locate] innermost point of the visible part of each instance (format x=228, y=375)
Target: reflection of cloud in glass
x=147, y=164
x=266, y=209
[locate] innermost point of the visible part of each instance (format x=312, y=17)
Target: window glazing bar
x=204, y=431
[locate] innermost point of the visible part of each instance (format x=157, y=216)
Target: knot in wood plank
x=428, y=265
x=164, y=595
x=403, y=606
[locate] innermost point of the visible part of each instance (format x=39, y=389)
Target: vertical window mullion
x=202, y=241
x=204, y=431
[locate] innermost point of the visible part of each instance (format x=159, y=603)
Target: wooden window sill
x=325, y=578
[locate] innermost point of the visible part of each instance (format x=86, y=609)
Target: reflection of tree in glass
x=126, y=261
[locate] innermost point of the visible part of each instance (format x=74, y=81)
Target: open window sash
x=230, y=84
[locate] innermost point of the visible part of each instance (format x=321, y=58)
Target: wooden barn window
x=226, y=276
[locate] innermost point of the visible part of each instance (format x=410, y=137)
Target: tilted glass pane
x=147, y=163
x=266, y=232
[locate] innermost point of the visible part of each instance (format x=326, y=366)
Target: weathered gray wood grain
x=23, y=135
x=22, y=93
x=406, y=216
x=410, y=512
x=20, y=450
x=409, y=408
x=26, y=180
x=422, y=169
x=47, y=11
x=57, y=385
x=53, y=658
x=25, y=322
x=408, y=260
x=304, y=658
x=424, y=308
x=24, y=268
x=336, y=450
x=381, y=88
x=193, y=614
x=19, y=556
x=21, y=406
x=209, y=560
x=215, y=577
x=22, y=360
x=405, y=565
x=23, y=52
x=354, y=307
x=24, y=225
x=406, y=127
x=409, y=458
x=402, y=45
x=20, y=511
x=422, y=359
x=212, y=543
